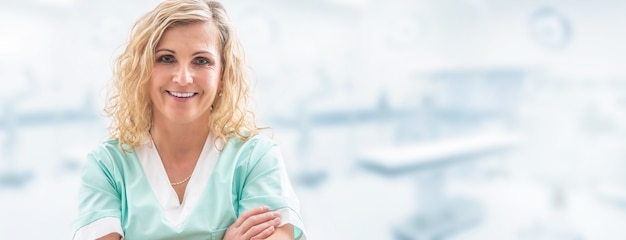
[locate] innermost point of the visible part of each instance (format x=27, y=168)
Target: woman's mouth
x=181, y=94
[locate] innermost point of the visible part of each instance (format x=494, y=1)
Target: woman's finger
x=256, y=220
x=247, y=214
x=266, y=233
x=263, y=230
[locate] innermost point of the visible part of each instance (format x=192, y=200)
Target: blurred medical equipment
x=550, y=28
x=437, y=215
x=471, y=116
x=306, y=122
x=13, y=120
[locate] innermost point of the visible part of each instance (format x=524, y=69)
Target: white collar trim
x=155, y=173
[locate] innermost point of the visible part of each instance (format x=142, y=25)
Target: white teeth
x=180, y=94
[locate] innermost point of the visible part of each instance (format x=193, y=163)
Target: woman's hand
x=256, y=223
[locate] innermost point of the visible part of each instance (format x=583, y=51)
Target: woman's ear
x=220, y=85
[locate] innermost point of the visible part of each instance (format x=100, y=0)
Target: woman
x=185, y=160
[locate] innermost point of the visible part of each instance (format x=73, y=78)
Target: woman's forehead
x=196, y=36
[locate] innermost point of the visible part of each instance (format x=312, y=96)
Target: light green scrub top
x=245, y=175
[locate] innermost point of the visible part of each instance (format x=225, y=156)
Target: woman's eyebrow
x=201, y=52
x=195, y=53
x=165, y=49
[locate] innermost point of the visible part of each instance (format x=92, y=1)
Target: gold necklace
x=181, y=182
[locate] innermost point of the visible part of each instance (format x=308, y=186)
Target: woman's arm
x=266, y=182
x=99, y=204
x=284, y=232
x=256, y=223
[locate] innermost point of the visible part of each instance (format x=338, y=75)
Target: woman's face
x=186, y=75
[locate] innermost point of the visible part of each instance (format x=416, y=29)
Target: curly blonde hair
x=128, y=102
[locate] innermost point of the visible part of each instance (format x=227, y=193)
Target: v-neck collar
x=177, y=213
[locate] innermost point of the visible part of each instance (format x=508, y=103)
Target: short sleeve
x=99, y=201
x=267, y=183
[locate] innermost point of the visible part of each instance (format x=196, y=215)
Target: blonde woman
x=185, y=159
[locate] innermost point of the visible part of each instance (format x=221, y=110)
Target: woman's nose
x=183, y=75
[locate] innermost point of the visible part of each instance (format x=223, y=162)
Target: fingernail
x=271, y=228
x=277, y=219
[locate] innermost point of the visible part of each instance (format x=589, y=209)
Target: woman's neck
x=179, y=142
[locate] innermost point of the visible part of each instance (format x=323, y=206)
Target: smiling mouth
x=181, y=94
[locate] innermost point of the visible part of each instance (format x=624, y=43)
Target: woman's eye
x=202, y=61
x=165, y=59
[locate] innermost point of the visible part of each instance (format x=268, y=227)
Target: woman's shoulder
x=252, y=147
x=109, y=151
x=256, y=141
x=109, y=145
x=248, y=153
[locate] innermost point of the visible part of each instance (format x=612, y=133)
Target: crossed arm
x=256, y=223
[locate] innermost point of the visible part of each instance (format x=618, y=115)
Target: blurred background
x=423, y=119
